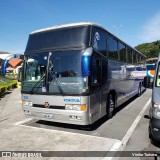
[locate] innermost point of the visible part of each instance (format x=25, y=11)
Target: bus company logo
x=46, y=105
x=71, y=100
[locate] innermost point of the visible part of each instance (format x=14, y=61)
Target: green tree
x=151, y=50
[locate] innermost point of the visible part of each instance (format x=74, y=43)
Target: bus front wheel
x=110, y=106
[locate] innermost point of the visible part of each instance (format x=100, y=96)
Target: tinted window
x=63, y=37
x=112, y=47
x=99, y=40
x=130, y=68
x=53, y=73
x=143, y=60
x=151, y=67
x=139, y=59
x=122, y=52
x=135, y=57
x=139, y=69
x=129, y=55
x=104, y=72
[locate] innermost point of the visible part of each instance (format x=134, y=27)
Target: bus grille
x=50, y=107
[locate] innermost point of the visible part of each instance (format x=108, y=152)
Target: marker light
x=86, y=60
x=83, y=107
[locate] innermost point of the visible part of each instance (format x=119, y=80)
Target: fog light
x=158, y=114
x=27, y=112
x=155, y=129
x=68, y=107
x=27, y=103
x=78, y=117
x=72, y=117
x=76, y=107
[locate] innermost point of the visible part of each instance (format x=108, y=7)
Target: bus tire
x=110, y=106
x=153, y=141
x=139, y=90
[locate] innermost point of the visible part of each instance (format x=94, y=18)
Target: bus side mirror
x=148, y=82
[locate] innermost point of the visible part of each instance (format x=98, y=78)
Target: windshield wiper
x=36, y=84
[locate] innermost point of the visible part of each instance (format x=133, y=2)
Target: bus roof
x=80, y=24
x=66, y=26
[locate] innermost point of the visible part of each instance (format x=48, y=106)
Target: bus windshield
x=158, y=76
x=53, y=73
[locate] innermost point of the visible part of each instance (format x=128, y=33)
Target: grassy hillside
x=151, y=50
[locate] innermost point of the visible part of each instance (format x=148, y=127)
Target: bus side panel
x=104, y=93
x=95, y=106
x=118, y=80
x=122, y=83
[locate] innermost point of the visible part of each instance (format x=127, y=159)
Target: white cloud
x=151, y=30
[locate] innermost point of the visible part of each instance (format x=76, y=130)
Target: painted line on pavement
x=25, y=121
x=117, y=146
x=121, y=146
x=30, y=120
x=134, y=124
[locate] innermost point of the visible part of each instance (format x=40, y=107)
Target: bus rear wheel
x=110, y=106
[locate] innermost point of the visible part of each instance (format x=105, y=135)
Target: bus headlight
x=156, y=110
x=156, y=106
x=76, y=107
x=27, y=103
x=156, y=113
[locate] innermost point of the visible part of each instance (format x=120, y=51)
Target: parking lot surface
x=18, y=133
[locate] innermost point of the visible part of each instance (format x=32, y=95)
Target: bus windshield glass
x=53, y=73
x=158, y=76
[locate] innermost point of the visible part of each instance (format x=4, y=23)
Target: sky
x=138, y=21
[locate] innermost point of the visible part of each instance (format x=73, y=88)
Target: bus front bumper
x=56, y=115
x=155, y=129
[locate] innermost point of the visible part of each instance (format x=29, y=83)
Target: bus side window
x=95, y=78
x=99, y=40
x=112, y=46
x=104, y=72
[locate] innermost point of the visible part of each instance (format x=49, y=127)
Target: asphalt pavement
x=127, y=131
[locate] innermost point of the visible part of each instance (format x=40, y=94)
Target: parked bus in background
x=76, y=73
x=137, y=72
x=150, y=69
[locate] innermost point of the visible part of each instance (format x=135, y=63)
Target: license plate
x=45, y=115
